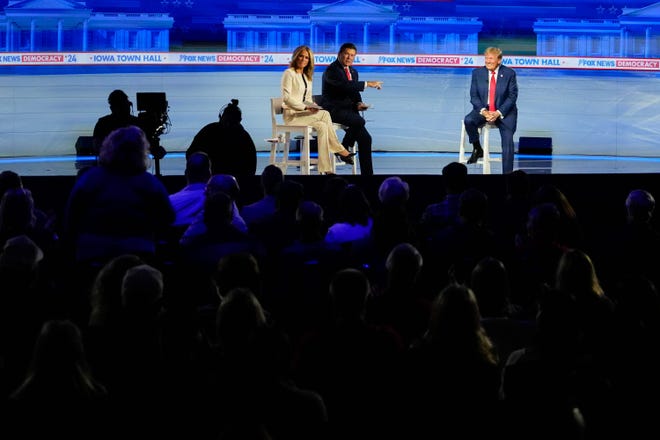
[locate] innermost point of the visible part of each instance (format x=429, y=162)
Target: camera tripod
x=157, y=152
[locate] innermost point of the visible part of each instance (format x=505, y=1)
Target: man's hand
x=491, y=116
x=375, y=84
x=362, y=106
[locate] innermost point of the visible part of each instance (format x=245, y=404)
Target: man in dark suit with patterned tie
x=341, y=97
x=493, y=94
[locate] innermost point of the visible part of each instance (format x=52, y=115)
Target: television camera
x=154, y=120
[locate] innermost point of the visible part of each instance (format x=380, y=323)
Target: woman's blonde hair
x=309, y=68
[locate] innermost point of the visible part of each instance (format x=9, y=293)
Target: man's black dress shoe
x=346, y=159
x=476, y=154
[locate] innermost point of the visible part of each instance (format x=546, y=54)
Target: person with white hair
x=635, y=248
x=640, y=205
x=392, y=222
x=118, y=207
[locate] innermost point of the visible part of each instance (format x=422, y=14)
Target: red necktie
x=348, y=73
x=491, y=97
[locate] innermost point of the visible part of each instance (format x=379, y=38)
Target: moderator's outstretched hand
x=375, y=84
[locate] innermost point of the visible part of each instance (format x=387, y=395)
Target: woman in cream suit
x=296, y=95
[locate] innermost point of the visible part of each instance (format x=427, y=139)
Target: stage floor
x=385, y=163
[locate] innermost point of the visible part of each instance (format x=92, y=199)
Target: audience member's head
x=59, y=346
x=473, y=206
x=17, y=212
x=455, y=324
x=271, y=178
x=489, y=281
x=455, y=175
x=238, y=270
x=58, y=371
x=455, y=311
x=9, y=180
x=125, y=150
x=640, y=205
x=218, y=209
x=355, y=208
x=332, y=191
x=310, y=218
x=290, y=195
x=198, y=167
x=20, y=253
x=404, y=263
x=238, y=320
x=225, y=183
x=106, y=297
x=576, y=274
x=142, y=289
x=543, y=223
x=517, y=184
x=393, y=192
x=552, y=194
x=349, y=289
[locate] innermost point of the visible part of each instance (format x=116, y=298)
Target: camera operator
x=229, y=146
x=120, y=116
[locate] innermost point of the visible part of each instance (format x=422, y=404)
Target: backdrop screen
x=587, y=70
x=566, y=34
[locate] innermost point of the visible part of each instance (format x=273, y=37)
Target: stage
x=385, y=163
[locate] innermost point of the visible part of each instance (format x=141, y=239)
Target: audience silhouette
x=401, y=303
x=445, y=213
x=118, y=207
x=59, y=389
x=451, y=375
x=188, y=203
x=264, y=208
x=253, y=382
x=351, y=363
x=292, y=332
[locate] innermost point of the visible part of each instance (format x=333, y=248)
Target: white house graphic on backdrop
x=373, y=27
x=58, y=25
x=69, y=25
x=635, y=33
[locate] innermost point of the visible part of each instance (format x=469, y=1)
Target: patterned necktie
x=491, y=97
x=348, y=73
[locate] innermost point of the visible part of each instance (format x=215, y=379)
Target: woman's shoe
x=346, y=159
x=327, y=173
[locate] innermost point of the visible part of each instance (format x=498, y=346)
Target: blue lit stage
x=385, y=163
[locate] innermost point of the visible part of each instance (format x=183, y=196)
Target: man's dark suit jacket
x=506, y=94
x=338, y=92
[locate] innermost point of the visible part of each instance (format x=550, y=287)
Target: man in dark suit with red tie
x=341, y=97
x=493, y=94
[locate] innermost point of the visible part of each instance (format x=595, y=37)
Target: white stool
x=485, y=145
